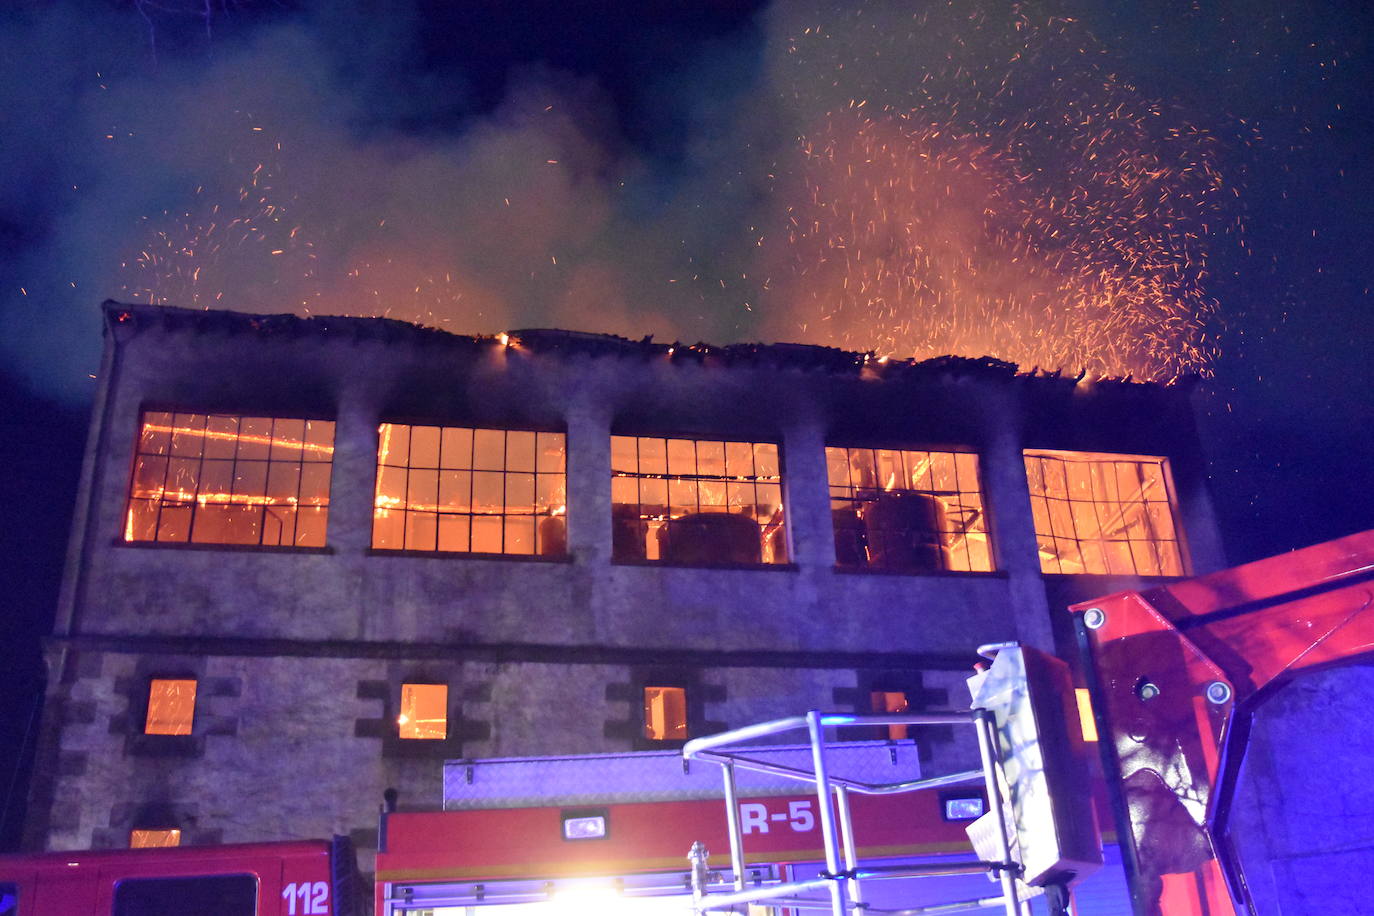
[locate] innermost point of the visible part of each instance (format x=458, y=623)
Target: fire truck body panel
x=256, y=879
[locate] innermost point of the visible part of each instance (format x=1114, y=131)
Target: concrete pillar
x=353, y=478
x=589, y=479
x=1010, y=519
x=808, y=494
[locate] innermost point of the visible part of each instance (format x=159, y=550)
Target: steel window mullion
x=200, y=472
x=505, y=467
x=472, y=486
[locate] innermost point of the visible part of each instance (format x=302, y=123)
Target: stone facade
x=299, y=653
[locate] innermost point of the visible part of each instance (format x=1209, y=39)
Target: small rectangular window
x=696, y=502
x=171, y=707
x=464, y=490
x=220, y=479
x=424, y=712
x=1104, y=514
x=891, y=701
x=907, y=511
x=222, y=895
x=146, y=839
x=665, y=713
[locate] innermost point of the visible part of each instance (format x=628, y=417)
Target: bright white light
x=963, y=809
x=584, y=828
x=586, y=901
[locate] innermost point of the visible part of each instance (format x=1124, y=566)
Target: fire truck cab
x=306, y=878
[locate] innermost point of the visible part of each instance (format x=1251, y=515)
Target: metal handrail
x=837, y=830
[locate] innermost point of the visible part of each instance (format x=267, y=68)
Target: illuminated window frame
x=171, y=706
x=665, y=713
x=1099, y=513
x=424, y=712
x=230, y=479
x=475, y=490
x=740, y=483
x=870, y=485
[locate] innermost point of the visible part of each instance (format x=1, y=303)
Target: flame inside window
x=220, y=479
x=466, y=490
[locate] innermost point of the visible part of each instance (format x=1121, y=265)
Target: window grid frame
x=960, y=492
x=535, y=515
x=754, y=480
x=196, y=505
x=1112, y=498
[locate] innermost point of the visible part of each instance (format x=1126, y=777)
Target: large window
x=1104, y=514
x=454, y=488
x=907, y=511
x=696, y=502
x=218, y=479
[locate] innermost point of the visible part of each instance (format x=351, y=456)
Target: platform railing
x=843, y=876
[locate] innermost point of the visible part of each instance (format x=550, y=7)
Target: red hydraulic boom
x=1175, y=673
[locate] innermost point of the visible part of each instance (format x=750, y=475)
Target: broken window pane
x=226, y=476
x=424, y=712
x=907, y=511
x=171, y=707
x=665, y=713
x=695, y=502
x=1104, y=514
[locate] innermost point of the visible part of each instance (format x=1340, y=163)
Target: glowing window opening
x=1105, y=514
x=904, y=510
x=891, y=701
x=424, y=712
x=665, y=713
x=696, y=501
x=470, y=490
x=148, y=839
x=171, y=707
x=228, y=479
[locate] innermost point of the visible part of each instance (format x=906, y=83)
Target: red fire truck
x=1174, y=671
x=307, y=878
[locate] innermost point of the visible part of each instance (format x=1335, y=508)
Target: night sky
x=1156, y=188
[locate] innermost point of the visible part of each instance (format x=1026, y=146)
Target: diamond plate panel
x=648, y=776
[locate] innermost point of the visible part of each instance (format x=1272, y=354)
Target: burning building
x=314, y=558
